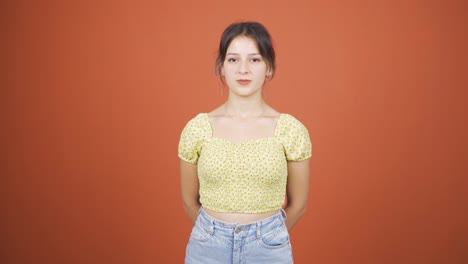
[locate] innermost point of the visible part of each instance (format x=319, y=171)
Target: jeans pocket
x=276, y=238
x=200, y=233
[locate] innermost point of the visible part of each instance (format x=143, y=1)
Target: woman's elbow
x=190, y=205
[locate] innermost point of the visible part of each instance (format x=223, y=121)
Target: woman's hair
x=253, y=30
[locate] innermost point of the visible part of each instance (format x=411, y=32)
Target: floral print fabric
x=245, y=177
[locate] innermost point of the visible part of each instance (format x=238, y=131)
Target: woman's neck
x=245, y=107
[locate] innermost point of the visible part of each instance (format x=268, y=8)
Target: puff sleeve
x=192, y=139
x=295, y=139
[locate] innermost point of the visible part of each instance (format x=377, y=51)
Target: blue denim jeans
x=217, y=242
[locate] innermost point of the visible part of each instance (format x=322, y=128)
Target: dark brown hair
x=253, y=30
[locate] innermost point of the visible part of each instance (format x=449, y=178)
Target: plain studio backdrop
x=94, y=95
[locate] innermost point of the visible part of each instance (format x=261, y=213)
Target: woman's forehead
x=243, y=45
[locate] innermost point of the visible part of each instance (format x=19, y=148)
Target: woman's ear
x=269, y=73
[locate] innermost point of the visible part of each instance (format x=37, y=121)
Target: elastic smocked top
x=245, y=177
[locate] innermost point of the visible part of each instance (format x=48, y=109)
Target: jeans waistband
x=207, y=219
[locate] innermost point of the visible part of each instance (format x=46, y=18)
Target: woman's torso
x=240, y=218
x=239, y=130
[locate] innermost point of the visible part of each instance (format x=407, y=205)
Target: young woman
x=239, y=161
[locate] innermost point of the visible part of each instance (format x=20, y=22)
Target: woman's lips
x=243, y=82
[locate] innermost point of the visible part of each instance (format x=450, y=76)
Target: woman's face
x=244, y=69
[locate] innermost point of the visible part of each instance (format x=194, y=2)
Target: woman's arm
x=189, y=188
x=297, y=190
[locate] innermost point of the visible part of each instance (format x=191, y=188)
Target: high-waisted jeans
x=216, y=242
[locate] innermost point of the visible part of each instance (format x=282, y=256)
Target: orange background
x=94, y=95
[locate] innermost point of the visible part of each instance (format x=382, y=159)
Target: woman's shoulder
x=199, y=121
x=287, y=118
x=289, y=124
x=198, y=117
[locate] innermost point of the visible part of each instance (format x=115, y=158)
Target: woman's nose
x=243, y=67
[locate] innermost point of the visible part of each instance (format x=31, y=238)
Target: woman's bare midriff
x=239, y=218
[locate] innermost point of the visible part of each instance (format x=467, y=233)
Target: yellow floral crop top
x=245, y=177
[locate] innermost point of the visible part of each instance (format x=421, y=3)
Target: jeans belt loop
x=259, y=225
x=283, y=213
x=211, y=226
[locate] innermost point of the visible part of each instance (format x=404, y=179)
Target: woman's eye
x=256, y=60
x=232, y=60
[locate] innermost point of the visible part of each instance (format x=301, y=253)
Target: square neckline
x=253, y=140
